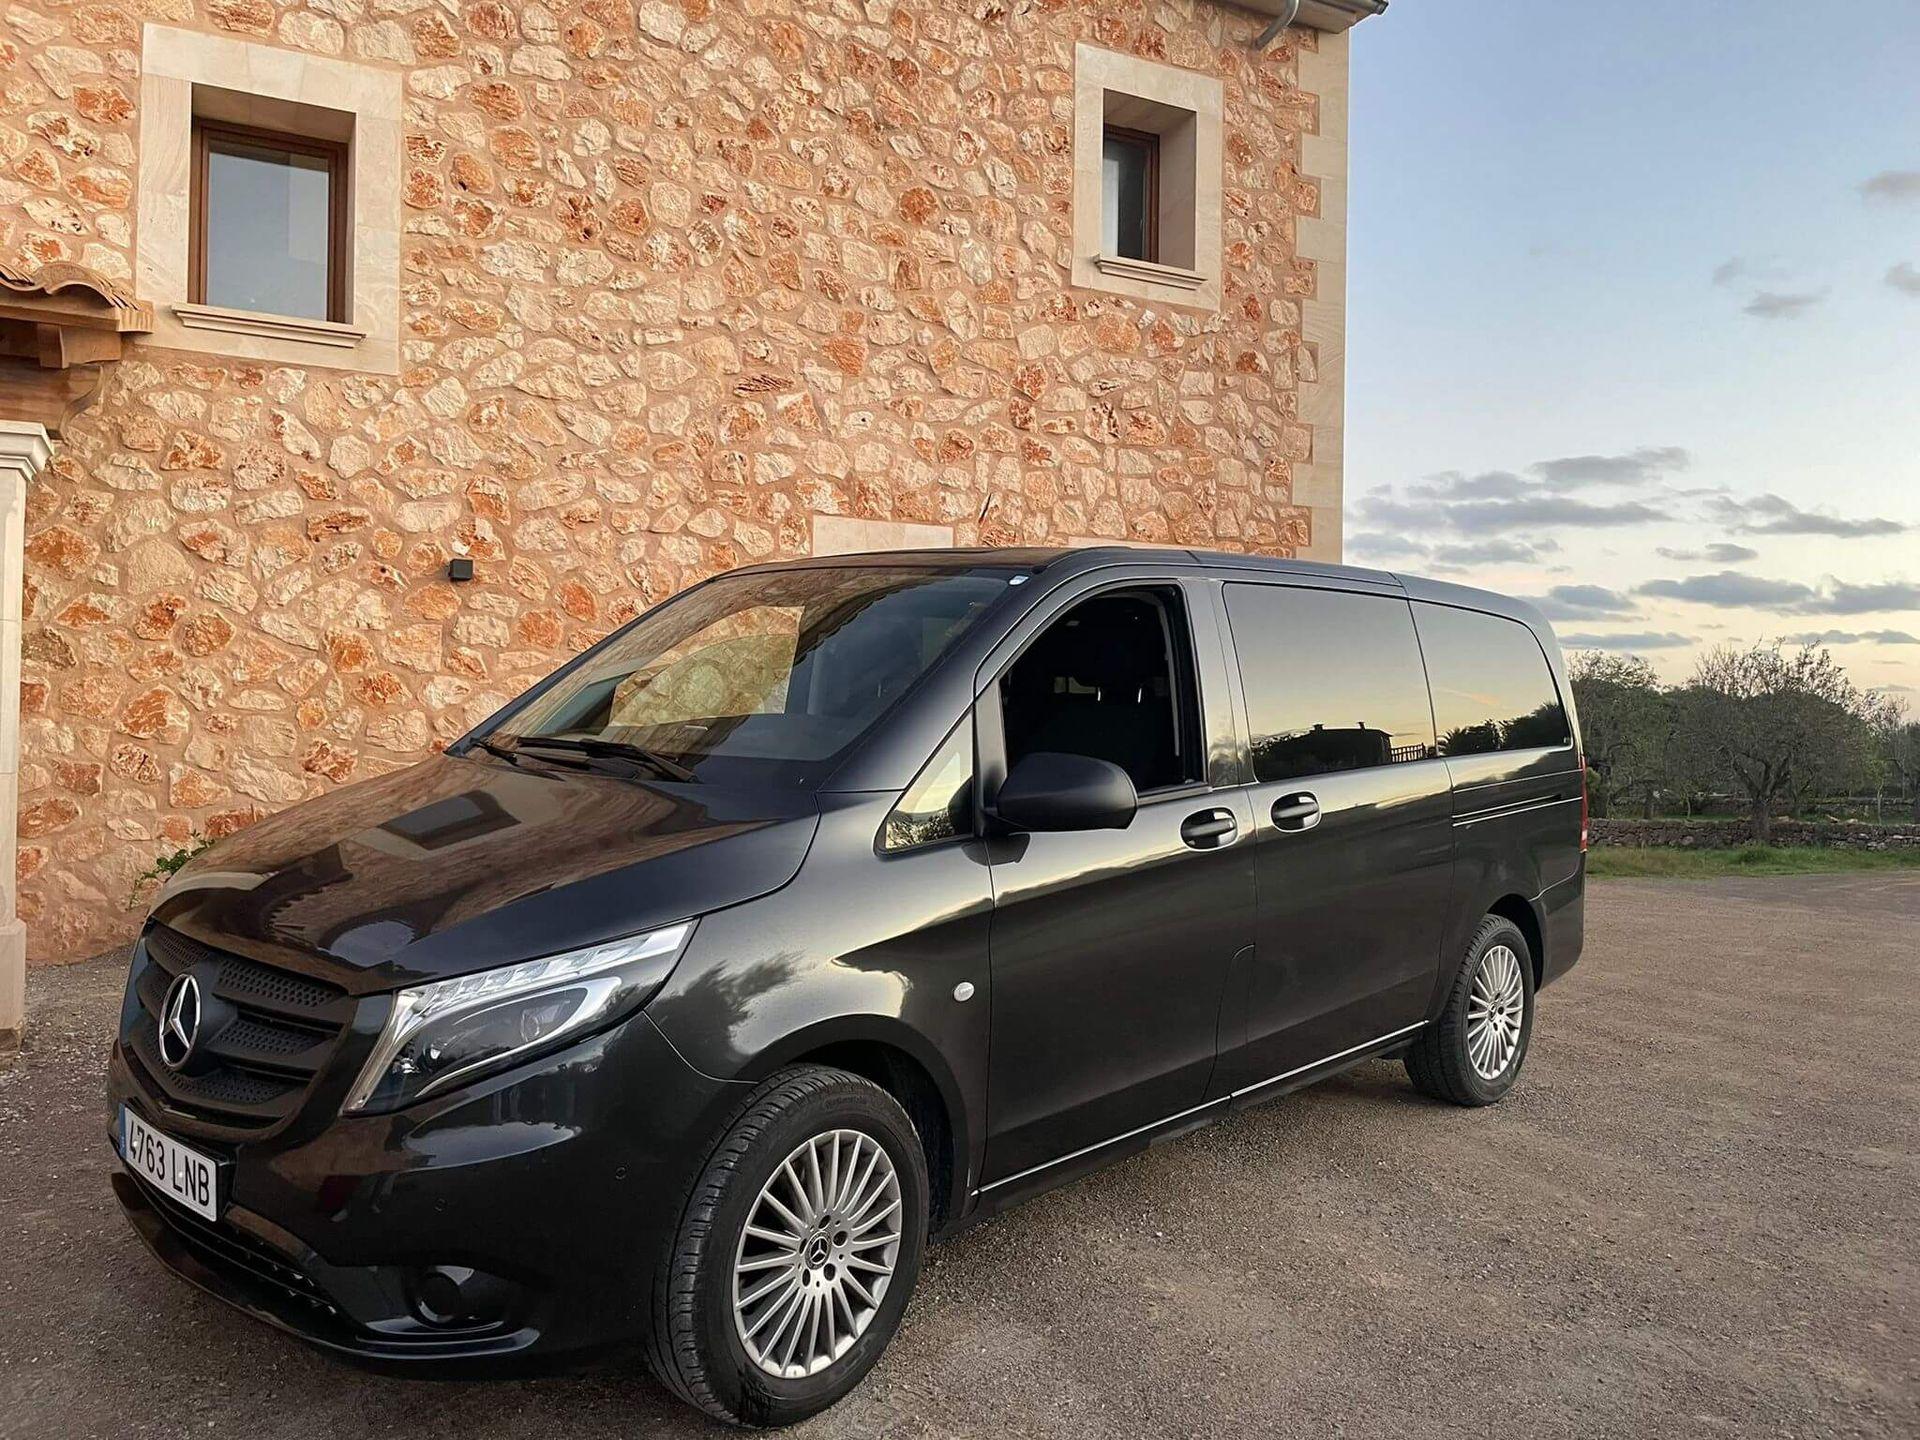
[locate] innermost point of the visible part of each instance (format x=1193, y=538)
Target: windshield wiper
x=494, y=747
x=608, y=750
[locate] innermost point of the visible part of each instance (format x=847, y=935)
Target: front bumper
x=524, y=1215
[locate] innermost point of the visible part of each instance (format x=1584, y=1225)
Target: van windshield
x=755, y=679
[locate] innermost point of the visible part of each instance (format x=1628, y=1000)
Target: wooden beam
x=60, y=347
x=46, y=397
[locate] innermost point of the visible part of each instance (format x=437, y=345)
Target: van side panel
x=1506, y=728
x=1516, y=827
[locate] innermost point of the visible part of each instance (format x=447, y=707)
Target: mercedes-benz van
x=825, y=908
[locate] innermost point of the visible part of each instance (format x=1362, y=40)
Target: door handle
x=1209, y=829
x=1296, y=812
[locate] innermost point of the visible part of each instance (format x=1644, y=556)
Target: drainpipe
x=1279, y=22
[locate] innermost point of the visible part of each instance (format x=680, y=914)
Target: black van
x=822, y=910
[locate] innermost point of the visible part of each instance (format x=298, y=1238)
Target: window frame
x=1186, y=108
x=337, y=153
x=1147, y=141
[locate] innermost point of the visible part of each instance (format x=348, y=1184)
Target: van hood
x=462, y=863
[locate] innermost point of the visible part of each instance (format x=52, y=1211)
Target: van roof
x=1063, y=561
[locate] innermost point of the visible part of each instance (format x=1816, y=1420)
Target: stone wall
x=1729, y=834
x=677, y=278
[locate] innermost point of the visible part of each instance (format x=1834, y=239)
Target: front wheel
x=798, y=1248
x=1472, y=1054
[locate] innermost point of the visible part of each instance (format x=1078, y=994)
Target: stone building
x=302, y=300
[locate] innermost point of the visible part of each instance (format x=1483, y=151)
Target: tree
x=1896, y=737
x=1780, y=722
x=1623, y=720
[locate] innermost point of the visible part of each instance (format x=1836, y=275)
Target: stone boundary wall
x=1728, y=834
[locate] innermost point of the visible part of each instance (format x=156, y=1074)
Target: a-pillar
x=24, y=449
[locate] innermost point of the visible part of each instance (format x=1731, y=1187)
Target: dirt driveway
x=1699, y=1214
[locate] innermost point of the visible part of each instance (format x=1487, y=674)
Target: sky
x=1634, y=318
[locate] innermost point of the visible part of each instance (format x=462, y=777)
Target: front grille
x=253, y=1070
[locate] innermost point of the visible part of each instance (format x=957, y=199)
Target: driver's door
x=1111, y=950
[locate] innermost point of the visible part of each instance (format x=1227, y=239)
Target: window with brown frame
x=1130, y=193
x=269, y=222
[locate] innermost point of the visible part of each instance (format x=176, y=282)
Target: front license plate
x=176, y=1170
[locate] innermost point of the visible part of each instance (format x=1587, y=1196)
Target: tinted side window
x=1113, y=679
x=1333, y=680
x=1492, y=689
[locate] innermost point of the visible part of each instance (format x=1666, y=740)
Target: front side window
x=269, y=222
x=1111, y=679
x=939, y=804
x=762, y=678
x=1492, y=689
x=1333, y=680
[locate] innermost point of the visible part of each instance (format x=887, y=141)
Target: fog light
x=436, y=1295
x=448, y=1295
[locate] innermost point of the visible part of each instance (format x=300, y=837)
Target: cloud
x=1581, y=602
x=1482, y=517
x=1782, y=304
x=1384, y=547
x=1731, y=590
x=1721, y=552
x=1846, y=599
x=1775, y=515
x=1728, y=271
x=1852, y=637
x=1627, y=640
x=1454, y=485
x=1905, y=278
x=1895, y=186
x=1491, y=517
x=1493, y=552
x=1635, y=467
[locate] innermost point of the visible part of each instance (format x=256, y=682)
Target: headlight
x=452, y=1030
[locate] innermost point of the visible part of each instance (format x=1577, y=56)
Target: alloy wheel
x=1495, y=1010
x=817, y=1254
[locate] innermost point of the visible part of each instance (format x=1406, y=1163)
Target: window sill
x=1148, y=272
x=272, y=327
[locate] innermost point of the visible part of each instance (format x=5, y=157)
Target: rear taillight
x=1583, y=805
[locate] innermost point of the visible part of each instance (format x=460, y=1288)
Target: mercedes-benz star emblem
x=180, y=1021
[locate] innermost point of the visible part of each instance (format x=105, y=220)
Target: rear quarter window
x=1492, y=688
x=1332, y=679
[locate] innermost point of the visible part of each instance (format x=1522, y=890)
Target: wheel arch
x=1517, y=908
x=899, y=1061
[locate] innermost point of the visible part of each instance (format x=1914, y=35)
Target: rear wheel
x=1473, y=1053
x=798, y=1248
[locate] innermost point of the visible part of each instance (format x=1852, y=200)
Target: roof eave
x=1317, y=14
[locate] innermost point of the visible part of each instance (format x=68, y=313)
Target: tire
x=1443, y=1061
x=697, y=1348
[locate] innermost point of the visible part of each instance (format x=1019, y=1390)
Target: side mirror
x=1050, y=791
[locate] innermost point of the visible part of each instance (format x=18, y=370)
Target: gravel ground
x=1698, y=1214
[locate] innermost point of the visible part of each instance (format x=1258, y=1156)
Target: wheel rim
x=816, y=1257
x=1495, y=1010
